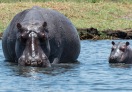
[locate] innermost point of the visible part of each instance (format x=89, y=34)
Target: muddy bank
x=1, y=35
x=93, y=33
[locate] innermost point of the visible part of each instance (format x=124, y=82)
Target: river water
x=93, y=73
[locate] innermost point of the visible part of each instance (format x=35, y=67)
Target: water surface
x=92, y=74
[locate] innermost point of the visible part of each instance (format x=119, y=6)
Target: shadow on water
x=120, y=65
x=27, y=71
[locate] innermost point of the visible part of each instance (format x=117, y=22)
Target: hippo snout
x=114, y=59
x=35, y=62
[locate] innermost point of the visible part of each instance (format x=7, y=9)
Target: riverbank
x=95, y=34
x=101, y=15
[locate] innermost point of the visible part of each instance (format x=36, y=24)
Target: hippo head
x=32, y=45
x=119, y=53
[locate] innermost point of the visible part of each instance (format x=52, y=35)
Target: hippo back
x=62, y=33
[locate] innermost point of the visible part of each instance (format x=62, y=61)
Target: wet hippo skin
x=39, y=37
x=120, y=53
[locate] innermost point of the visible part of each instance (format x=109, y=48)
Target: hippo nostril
x=113, y=57
x=27, y=62
x=39, y=62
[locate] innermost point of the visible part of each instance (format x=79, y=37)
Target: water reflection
x=93, y=73
x=36, y=72
x=120, y=65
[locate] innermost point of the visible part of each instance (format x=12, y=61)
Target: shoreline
x=95, y=34
x=101, y=15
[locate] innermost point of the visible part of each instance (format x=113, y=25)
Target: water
x=92, y=74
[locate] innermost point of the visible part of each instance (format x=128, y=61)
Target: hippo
x=40, y=37
x=121, y=53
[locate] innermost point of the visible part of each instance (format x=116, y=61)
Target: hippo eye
x=23, y=38
x=42, y=36
x=122, y=49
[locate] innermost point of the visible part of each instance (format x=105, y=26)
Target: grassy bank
x=90, y=1
x=101, y=15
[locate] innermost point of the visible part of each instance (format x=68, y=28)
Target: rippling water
x=92, y=74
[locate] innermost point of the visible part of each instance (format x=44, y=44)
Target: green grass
x=91, y=1
x=101, y=15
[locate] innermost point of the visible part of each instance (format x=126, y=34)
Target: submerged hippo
x=39, y=36
x=121, y=53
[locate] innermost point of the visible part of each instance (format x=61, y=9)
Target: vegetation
x=91, y=1
x=100, y=14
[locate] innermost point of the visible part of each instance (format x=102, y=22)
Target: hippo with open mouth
x=121, y=53
x=39, y=37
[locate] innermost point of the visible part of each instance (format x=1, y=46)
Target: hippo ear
x=113, y=43
x=127, y=43
x=19, y=26
x=45, y=24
